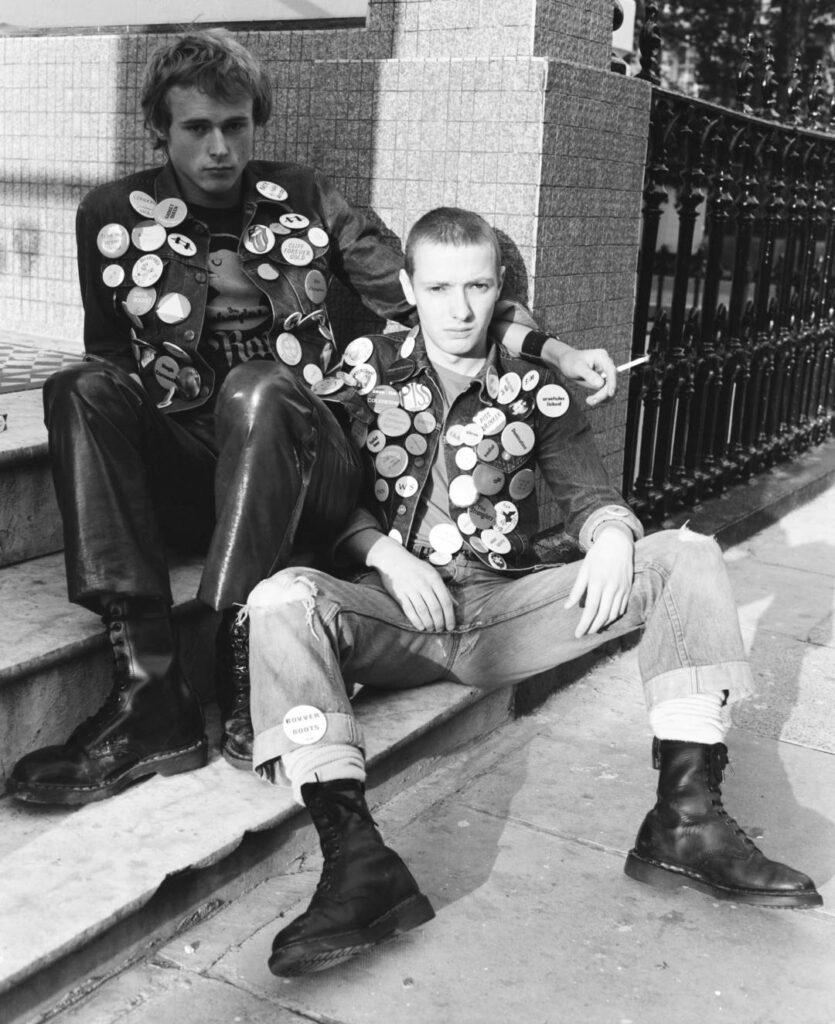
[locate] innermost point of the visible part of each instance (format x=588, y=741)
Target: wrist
x=542, y=349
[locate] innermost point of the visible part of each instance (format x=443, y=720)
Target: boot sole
x=242, y=762
x=168, y=763
x=306, y=957
x=669, y=876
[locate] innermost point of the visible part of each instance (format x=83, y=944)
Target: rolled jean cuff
x=274, y=742
x=733, y=676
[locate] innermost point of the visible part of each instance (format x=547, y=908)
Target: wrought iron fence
x=735, y=299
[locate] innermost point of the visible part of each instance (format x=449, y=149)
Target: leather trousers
x=267, y=466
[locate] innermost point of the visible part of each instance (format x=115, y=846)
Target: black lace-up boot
x=233, y=688
x=151, y=723
x=688, y=838
x=366, y=892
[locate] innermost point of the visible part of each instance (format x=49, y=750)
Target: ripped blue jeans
x=312, y=636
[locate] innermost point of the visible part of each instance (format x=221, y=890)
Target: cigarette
x=631, y=363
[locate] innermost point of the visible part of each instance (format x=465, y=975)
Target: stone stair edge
x=39, y=939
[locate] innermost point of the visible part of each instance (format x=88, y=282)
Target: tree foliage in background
x=717, y=31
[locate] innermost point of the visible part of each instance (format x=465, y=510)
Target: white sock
x=695, y=719
x=322, y=762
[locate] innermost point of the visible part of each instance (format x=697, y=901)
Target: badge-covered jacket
x=143, y=266
x=513, y=419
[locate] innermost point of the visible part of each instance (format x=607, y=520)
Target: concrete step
x=55, y=661
x=30, y=524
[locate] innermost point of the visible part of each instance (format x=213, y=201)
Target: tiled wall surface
x=508, y=108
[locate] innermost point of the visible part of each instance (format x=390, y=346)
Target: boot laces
x=239, y=663
x=331, y=837
x=121, y=678
x=716, y=775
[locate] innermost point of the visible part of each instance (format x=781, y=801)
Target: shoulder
x=114, y=196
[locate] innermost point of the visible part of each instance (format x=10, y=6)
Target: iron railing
x=735, y=298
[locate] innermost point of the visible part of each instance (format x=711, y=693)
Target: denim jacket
x=512, y=420
x=168, y=356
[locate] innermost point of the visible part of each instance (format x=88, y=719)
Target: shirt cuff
x=609, y=514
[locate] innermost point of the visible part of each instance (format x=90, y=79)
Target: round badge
x=495, y=541
x=170, y=212
x=304, y=724
x=395, y=534
x=328, y=386
x=294, y=221
x=113, y=240
x=415, y=396
x=522, y=484
x=147, y=270
x=297, y=252
x=318, y=237
x=288, y=348
x=315, y=286
x=491, y=420
x=463, y=491
x=267, y=272
x=113, y=275
x=465, y=458
x=142, y=203
x=269, y=190
x=425, y=422
x=401, y=509
x=383, y=397
x=466, y=524
x=292, y=320
x=394, y=422
x=446, y=537
x=312, y=373
x=359, y=350
x=487, y=479
x=530, y=380
x=439, y=558
x=472, y=434
x=376, y=441
x=173, y=308
x=279, y=229
x=477, y=544
x=509, y=387
x=165, y=370
x=520, y=408
x=552, y=400
x=258, y=239
x=488, y=450
x=365, y=377
x=176, y=351
x=406, y=486
x=482, y=514
x=381, y=490
x=188, y=382
x=391, y=461
x=140, y=301
x=148, y=236
x=507, y=516
x=455, y=435
x=416, y=444
x=491, y=382
x=518, y=438
x=181, y=244
x=407, y=347
x=496, y=560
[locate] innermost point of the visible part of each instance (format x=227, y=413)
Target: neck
x=468, y=364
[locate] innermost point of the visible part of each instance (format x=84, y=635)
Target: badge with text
x=304, y=724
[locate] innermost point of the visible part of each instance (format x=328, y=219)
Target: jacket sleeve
x=571, y=466
x=106, y=331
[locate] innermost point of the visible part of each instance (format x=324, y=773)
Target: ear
x=406, y=285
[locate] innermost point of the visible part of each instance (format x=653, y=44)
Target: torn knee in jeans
x=686, y=534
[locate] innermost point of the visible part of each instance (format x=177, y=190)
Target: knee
x=89, y=383
x=296, y=585
x=683, y=546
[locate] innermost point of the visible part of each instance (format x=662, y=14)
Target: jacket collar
x=417, y=362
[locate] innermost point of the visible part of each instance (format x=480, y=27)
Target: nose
x=217, y=143
x=460, y=304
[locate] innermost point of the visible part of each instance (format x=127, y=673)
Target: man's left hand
x=605, y=578
x=591, y=368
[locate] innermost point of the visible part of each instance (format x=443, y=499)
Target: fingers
x=426, y=602
x=605, y=366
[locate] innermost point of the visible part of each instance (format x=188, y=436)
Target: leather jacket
x=331, y=239
x=512, y=420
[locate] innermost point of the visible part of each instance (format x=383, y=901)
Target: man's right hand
x=414, y=584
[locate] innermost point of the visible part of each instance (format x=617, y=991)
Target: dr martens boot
x=151, y=723
x=688, y=838
x=233, y=689
x=366, y=892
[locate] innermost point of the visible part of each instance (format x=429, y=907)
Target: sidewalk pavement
x=520, y=841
